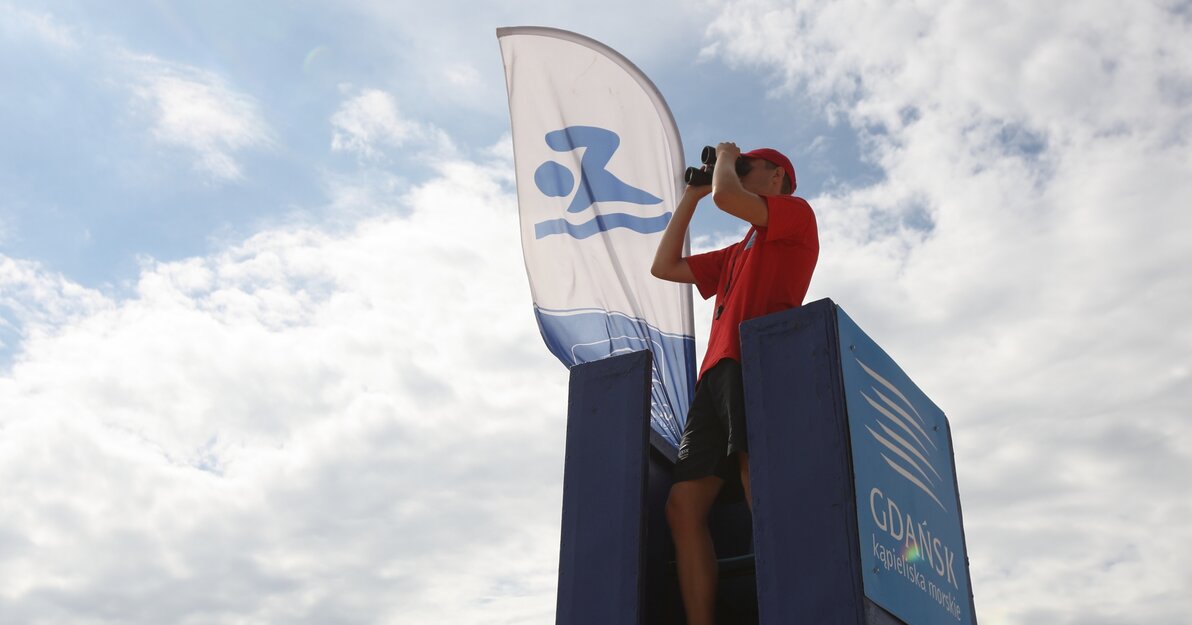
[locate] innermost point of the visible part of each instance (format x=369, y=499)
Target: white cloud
x=35, y=301
x=1024, y=260
x=368, y=123
x=18, y=23
x=182, y=106
x=304, y=427
x=462, y=76
x=198, y=112
x=448, y=62
x=369, y=191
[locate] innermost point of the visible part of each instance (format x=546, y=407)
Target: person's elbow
x=743, y=205
x=723, y=199
x=676, y=271
x=731, y=201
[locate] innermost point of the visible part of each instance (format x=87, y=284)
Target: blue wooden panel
x=804, y=526
x=604, y=487
x=662, y=605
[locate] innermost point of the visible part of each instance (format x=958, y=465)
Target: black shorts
x=715, y=429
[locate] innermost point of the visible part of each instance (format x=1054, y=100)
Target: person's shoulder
x=792, y=205
x=788, y=201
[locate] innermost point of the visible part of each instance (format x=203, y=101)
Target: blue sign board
x=908, y=512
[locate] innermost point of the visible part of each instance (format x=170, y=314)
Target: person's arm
x=729, y=195
x=669, y=263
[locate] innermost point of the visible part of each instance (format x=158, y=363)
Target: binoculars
x=697, y=177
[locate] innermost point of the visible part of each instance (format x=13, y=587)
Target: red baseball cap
x=774, y=156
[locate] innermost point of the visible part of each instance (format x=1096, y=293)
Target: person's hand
x=697, y=193
x=727, y=151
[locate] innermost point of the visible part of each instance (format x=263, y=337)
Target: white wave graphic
x=899, y=451
x=905, y=444
x=907, y=440
x=901, y=471
x=913, y=423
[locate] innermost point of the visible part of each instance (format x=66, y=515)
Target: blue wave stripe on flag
x=601, y=223
x=579, y=336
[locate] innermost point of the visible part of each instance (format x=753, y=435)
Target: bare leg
x=687, y=513
x=743, y=457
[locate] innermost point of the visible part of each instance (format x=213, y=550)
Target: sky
x=267, y=351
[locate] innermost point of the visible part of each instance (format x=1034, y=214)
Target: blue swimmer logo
x=596, y=184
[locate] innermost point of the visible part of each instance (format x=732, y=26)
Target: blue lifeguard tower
x=856, y=511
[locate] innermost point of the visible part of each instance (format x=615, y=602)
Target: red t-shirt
x=767, y=271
